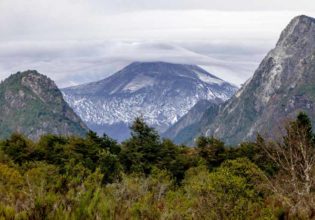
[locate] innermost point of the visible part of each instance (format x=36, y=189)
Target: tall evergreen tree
x=142, y=149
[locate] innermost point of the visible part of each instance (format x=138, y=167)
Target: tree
x=110, y=167
x=232, y=191
x=145, y=150
x=142, y=150
x=212, y=150
x=50, y=148
x=143, y=134
x=18, y=147
x=294, y=156
x=255, y=154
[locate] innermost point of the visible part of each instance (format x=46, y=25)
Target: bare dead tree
x=294, y=156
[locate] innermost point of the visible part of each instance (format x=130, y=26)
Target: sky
x=79, y=41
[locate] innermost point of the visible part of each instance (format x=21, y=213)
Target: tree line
x=147, y=177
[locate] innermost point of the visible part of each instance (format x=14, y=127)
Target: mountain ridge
x=281, y=86
x=133, y=65
x=161, y=92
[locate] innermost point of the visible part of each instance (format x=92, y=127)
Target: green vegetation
x=146, y=177
x=32, y=104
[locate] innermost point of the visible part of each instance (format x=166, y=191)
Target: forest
x=148, y=177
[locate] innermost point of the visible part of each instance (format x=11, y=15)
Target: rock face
x=283, y=85
x=189, y=126
x=31, y=104
x=160, y=92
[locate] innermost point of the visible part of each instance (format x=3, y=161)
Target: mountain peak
x=37, y=83
x=163, y=67
x=32, y=104
x=162, y=92
x=157, y=67
x=148, y=63
x=139, y=76
x=32, y=77
x=282, y=85
x=301, y=28
x=303, y=18
x=166, y=70
x=25, y=73
x=30, y=72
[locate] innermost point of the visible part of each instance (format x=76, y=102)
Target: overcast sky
x=78, y=41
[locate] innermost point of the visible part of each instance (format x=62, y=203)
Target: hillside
x=31, y=103
x=189, y=126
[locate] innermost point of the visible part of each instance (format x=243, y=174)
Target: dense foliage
x=147, y=177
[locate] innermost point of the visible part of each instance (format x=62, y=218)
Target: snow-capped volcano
x=160, y=92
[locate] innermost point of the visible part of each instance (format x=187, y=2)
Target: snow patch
x=138, y=83
x=207, y=78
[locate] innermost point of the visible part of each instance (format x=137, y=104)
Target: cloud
x=74, y=62
x=77, y=41
x=223, y=5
